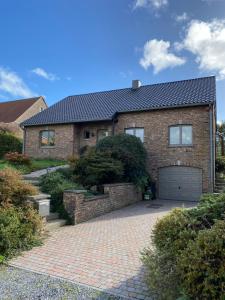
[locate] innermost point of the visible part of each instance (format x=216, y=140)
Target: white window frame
x=134, y=132
x=181, y=144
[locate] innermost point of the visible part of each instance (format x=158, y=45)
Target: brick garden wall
x=115, y=196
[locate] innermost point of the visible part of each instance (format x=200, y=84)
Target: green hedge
x=180, y=235
x=9, y=143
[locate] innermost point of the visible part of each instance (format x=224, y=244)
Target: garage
x=180, y=183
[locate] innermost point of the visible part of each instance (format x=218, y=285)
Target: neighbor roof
x=101, y=106
x=12, y=110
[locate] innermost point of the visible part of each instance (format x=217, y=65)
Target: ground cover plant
x=188, y=255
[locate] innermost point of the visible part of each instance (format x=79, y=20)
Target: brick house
x=176, y=121
x=12, y=113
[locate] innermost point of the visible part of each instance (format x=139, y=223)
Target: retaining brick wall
x=81, y=208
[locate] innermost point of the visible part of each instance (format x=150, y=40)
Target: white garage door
x=180, y=183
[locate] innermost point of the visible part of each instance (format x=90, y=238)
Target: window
x=102, y=133
x=180, y=135
x=47, y=138
x=41, y=109
x=138, y=132
x=87, y=134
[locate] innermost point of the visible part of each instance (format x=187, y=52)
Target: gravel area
x=18, y=284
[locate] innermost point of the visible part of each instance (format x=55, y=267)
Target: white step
x=53, y=216
x=55, y=224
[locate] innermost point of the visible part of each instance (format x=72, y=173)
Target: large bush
x=130, y=151
x=173, y=235
x=13, y=190
x=97, y=169
x=202, y=264
x=20, y=229
x=220, y=165
x=9, y=143
x=55, y=184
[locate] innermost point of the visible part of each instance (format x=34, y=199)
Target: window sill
x=47, y=147
x=180, y=146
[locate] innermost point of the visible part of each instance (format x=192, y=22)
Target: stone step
x=38, y=197
x=33, y=182
x=216, y=190
x=220, y=183
x=220, y=180
x=55, y=224
x=53, y=216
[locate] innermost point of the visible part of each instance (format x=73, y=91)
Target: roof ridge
x=24, y=99
x=127, y=88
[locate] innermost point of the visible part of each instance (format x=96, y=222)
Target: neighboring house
x=176, y=121
x=12, y=113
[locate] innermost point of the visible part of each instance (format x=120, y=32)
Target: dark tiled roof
x=11, y=110
x=104, y=105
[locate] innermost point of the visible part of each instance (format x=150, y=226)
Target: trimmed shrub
x=55, y=183
x=202, y=264
x=20, y=229
x=9, y=143
x=131, y=152
x=174, y=236
x=97, y=169
x=13, y=190
x=17, y=158
x=220, y=165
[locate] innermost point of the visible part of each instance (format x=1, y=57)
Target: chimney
x=136, y=84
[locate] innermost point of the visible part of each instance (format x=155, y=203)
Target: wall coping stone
x=93, y=198
x=75, y=191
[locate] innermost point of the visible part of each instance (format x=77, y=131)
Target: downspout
x=24, y=139
x=212, y=150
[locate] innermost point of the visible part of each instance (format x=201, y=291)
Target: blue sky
x=58, y=48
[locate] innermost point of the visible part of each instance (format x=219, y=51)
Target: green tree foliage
x=96, y=169
x=130, y=151
x=9, y=143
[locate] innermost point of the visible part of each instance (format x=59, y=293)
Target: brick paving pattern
x=103, y=253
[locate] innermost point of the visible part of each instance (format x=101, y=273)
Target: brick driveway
x=103, y=253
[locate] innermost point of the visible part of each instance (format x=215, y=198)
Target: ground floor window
x=47, y=138
x=138, y=132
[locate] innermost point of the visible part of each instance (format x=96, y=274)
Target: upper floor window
x=47, y=138
x=138, y=132
x=180, y=135
x=102, y=133
x=41, y=109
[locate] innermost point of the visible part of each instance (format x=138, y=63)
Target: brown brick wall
x=64, y=145
x=93, y=128
x=156, y=125
x=32, y=110
x=82, y=209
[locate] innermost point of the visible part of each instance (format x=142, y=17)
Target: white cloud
x=42, y=73
x=181, y=18
x=157, y=4
x=156, y=53
x=206, y=40
x=14, y=85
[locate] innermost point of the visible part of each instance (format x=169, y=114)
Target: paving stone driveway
x=104, y=252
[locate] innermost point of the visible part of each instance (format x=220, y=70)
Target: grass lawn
x=36, y=164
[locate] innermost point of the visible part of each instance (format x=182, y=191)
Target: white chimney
x=136, y=84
